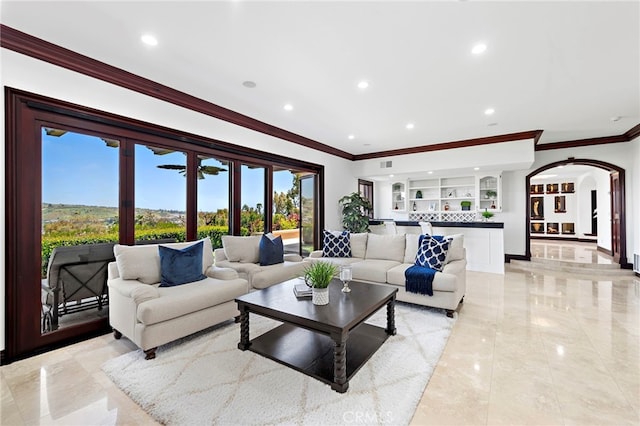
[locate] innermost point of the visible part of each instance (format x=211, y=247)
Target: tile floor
x=540, y=348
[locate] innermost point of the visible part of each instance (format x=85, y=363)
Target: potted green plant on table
x=487, y=215
x=355, y=212
x=318, y=276
x=466, y=205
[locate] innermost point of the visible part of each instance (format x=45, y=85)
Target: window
x=160, y=194
x=365, y=188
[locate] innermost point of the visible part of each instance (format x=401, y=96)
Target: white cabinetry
x=398, y=196
x=456, y=199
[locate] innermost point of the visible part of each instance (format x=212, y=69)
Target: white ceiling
x=565, y=67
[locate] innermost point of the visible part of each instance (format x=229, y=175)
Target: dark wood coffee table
x=330, y=342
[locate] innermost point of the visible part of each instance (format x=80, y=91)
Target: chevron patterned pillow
x=336, y=245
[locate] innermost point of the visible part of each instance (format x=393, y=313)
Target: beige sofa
x=383, y=258
x=242, y=255
x=150, y=315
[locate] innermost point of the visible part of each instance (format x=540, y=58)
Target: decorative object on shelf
x=491, y=193
x=487, y=215
x=537, y=189
x=355, y=212
x=537, y=208
x=559, y=204
x=318, y=276
x=432, y=207
x=552, y=188
x=452, y=193
x=466, y=205
x=568, y=188
x=345, y=277
x=537, y=227
x=446, y=206
x=552, y=228
x=418, y=194
x=396, y=207
x=415, y=207
x=493, y=205
x=568, y=228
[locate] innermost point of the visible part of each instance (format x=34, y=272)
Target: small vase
x=320, y=296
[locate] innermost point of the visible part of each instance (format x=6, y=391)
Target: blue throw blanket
x=419, y=279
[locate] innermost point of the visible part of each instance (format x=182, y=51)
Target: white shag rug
x=205, y=379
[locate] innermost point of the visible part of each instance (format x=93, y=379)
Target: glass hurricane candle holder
x=345, y=277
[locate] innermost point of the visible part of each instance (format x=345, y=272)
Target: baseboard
x=577, y=239
x=637, y=274
x=509, y=257
x=2, y=357
x=604, y=250
x=627, y=265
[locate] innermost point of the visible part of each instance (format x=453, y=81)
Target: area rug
x=206, y=380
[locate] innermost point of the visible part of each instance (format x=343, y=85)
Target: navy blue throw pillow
x=271, y=250
x=336, y=245
x=432, y=251
x=180, y=266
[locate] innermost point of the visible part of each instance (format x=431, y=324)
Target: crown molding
x=532, y=134
x=583, y=142
x=43, y=50
x=633, y=132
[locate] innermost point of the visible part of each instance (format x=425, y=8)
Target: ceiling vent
x=386, y=164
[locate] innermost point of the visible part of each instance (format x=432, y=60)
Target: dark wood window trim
x=369, y=195
x=25, y=113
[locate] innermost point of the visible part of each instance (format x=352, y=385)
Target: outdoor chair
x=76, y=281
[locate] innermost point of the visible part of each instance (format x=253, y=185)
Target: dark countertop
x=489, y=224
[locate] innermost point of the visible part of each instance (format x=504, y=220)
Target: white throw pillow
x=411, y=248
x=140, y=263
x=242, y=249
x=456, y=247
x=426, y=228
x=358, y=244
x=385, y=247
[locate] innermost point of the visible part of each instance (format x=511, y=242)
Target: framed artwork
x=552, y=188
x=537, y=189
x=559, y=204
x=568, y=228
x=567, y=188
x=537, y=208
x=553, y=228
x=537, y=227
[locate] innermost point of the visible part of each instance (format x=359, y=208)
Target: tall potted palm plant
x=355, y=212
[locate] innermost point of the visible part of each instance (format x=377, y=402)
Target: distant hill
x=54, y=212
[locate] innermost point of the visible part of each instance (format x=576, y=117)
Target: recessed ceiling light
x=410, y=126
x=489, y=111
x=476, y=168
x=479, y=48
x=250, y=84
x=351, y=137
x=390, y=175
x=363, y=84
x=149, y=40
x=288, y=107
x=430, y=172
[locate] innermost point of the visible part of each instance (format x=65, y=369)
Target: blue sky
x=80, y=169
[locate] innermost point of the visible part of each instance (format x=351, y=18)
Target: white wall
x=458, y=161
x=24, y=73
x=584, y=185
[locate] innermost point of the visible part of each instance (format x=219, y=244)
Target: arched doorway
x=617, y=204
